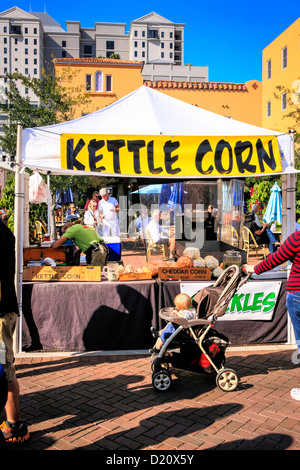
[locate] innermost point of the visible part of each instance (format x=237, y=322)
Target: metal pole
x=18, y=231
x=291, y=221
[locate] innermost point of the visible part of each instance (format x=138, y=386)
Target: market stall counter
x=89, y=316
x=272, y=329
x=79, y=316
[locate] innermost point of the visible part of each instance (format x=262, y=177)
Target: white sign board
x=253, y=301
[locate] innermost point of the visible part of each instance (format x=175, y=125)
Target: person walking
x=13, y=428
x=288, y=251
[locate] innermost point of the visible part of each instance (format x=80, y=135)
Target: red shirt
x=288, y=251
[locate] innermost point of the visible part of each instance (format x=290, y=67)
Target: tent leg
x=18, y=231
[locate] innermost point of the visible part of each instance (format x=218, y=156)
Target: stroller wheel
x=157, y=364
x=227, y=380
x=161, y=380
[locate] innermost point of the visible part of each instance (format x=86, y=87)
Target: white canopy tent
x=144, y=112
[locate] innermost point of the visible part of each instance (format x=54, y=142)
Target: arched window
x=98, y=81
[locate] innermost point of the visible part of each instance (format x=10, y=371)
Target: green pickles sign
x=254, y=301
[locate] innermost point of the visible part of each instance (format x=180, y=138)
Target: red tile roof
x=196, y=85
x=97, y=60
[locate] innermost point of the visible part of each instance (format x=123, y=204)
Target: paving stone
x=109, y=403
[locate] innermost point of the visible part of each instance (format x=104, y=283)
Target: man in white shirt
x=159, y=234
x=109, y=208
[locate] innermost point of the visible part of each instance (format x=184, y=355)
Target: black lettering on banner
x=135, y=146
x=93, y=147
x=263, y=157
x=202, y=150
x=221, y=146
x=72, y=154
x=150, y=156
x=169, y=147
x=244, y=165
x=114, y=146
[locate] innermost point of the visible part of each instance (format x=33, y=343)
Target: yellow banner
x=167, y=156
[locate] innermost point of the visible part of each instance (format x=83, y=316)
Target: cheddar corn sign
x=171, y=156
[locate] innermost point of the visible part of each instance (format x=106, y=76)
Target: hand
x=249, y=268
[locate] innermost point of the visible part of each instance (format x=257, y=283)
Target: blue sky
x=228, y=37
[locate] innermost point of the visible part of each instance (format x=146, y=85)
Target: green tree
x=57, y=103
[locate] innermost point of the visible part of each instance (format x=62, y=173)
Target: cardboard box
x=184, y=274
x=134, y=276
x=62, y=273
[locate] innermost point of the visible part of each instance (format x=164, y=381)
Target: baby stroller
x=201, y=347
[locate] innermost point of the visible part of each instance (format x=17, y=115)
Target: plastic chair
x=151, y=246
x=234, y=237
x=40, y=230
x=249, y=242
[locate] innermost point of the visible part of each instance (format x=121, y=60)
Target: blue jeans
x=272, y=239
x=293, y=307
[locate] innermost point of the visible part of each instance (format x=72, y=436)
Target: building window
x=16, y=41
x=26, y=51
x=26, y=30
x=283, y=101
x=143, y=44
x=171, y=35
x=5, y=60
x=87, y=50
x=88, y=82
x=26, y=41
x=143, y=54
x=135, y=44
x=35, y=31
x=35, y=42
x=171, y=45
x=26, y=61
x=14, y=29
x=162, y=55
x=135, y=33
x=26, y=91
x=171, y=55
x=35, y=61
x=284, y=57
x=143, y=34
x=4, y=29
x=63, y=53
x=35, y=71
x=162, y=45
x=5, y=40
x=269, y=69
x=135, y=53
x=110, y=45
x=64, y=43
x=5, y=50
x=26, y=71
x=268, y=109
x=98, y=81
x=162, y=34
x=35, y=51
x=108, y=83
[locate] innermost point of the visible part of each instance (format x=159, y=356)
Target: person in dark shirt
x=288, y=251
x=13, y=429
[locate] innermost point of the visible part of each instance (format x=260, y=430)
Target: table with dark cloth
x=89, y=316
x=239, y=331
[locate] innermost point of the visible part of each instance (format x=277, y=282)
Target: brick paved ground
x=108, y=403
